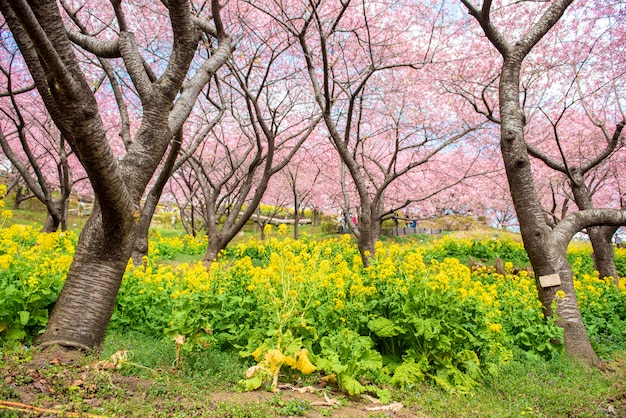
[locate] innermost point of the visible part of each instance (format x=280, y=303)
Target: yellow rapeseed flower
x=495, y=327
x=5, y=261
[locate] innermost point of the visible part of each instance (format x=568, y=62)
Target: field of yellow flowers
x=309, y=306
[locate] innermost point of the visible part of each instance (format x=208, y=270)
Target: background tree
x=301, y=176
x=185, y=192
x=361, y=66
x=208, y=113
x=36, y=149
x=266, y=123
x=166, y=94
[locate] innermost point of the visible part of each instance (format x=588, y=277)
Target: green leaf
x=369, y=360
x=330, y=364
x=251, y=384
x=350, y=385
x=384, y=327
x=408, y=373
x=24, y=317
x=383, y=395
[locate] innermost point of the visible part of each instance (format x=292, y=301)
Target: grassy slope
x=148, y=384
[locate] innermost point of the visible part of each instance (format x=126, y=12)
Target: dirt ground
x=60, y=383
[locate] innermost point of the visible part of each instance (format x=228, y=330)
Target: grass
x=209, y=368
x=556, y=388
x=206, y=385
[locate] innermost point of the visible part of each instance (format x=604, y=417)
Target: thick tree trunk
x=603, y=253
x=152, y=200
x=52, y=223
x=369, y=233
x=56, y=217
x=18, y=197
x=83, y=310
x=577, y=342
x=140, y=249
x=213, y=249
x=86, y=303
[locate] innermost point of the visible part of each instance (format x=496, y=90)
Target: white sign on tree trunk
x=550, y=280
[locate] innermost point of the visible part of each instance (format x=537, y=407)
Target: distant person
x=174, y=218
x=81, y=208
x=618, y=241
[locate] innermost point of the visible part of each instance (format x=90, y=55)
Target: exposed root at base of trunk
x=67, y=345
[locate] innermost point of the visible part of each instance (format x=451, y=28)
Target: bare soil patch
x=66, y=383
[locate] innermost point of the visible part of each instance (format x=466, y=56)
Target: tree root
x=16, y=406
x=66, y=344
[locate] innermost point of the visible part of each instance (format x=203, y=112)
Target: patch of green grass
x=293, y=407
x=249, y=410
x=142, y=349
x=168, y=232
x=557, y=388
x=220, y=370
x=37, y=218
x=180, y=258
x=208, y=368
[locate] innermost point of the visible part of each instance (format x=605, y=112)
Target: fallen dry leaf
x=372, y=399
x=327, y=401
x=394, y=407
x=306, y=389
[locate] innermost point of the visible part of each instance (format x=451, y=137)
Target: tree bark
x=92, y=284
x=600, y=236
x=536, y=234
x=142, y=229
x=546, y=247
x=296, y=211
x=57, y=216
x=603, y=252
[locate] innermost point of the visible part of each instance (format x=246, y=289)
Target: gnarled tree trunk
x=83, y=310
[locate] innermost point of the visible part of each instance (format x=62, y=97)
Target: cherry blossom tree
x=162, y=88
x=266, y=123
x=208, y=112
x=361, y=64
x=185, y=192
x=525, y=25
x=300, y=177
x=569, y=97
x=34, y=146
